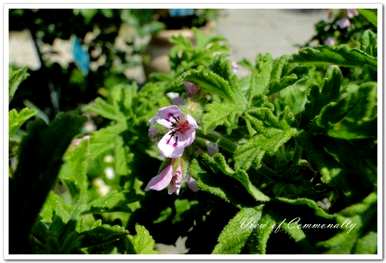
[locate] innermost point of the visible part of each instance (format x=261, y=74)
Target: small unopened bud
x=191, y=88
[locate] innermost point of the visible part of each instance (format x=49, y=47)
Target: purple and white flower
x=171, y=177
x=330, y=41
x=351, y=13
x=235, y=67
x=181, y=131
x=343, y=23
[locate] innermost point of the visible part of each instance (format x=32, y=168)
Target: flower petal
x=162, y=180
x=175, y=184
x=169, y=148
x=191, y=121
x=167, y=115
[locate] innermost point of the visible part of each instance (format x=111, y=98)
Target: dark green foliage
x=40, y=158
x=296, y=141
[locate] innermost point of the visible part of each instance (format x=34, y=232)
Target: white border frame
x=175, y=4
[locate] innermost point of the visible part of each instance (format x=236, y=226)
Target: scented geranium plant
x=276, y=155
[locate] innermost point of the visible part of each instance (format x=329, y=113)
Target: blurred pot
x=159, y=47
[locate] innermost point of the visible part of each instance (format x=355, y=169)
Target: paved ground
x=271, y=30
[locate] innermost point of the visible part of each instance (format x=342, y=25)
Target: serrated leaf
x=318, y=211
x=17, y=119
x=74, y=169
x=353, y=116
x=341, y=55
x=55, y=205
x=218, y=162
x=356, y=218
x=236, y=233
x=214, y=84
x=295, y=96
x=205, y=182
x=260, y=76
x=101, y=140
x=263, y=233
x=142, y=242
x=16, y=76
x=220, y=114
x=104, y=109
x=369, y=42
x=253, y=151
x=103, y=237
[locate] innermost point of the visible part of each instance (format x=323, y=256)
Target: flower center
x=183, y=126
x=179, y=126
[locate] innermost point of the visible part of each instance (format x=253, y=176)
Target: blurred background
x=81, y=53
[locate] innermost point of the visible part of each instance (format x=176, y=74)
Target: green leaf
x=327, y=94
x=55, y=205
x=16, y=76
x=218, y=162
x=263, y=233
x=220, y=114
x=369, y=42
x=17, y=119
x=104, y=238
x=318, y=211
x=253, y=151
x=367, y=244
x=74, y=169
x=370, y=15
x=260, y=76
x=40, y=158
x=236, y=233
x=206, y=182
x=142, y=242
x=353, y=116
x=104, y=109
x=243, y=178
x=341, y=55
x=213, y=83
x=295, y=96
x=101, y=140
x=356, y=218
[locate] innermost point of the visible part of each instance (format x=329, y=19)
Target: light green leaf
x=236, y=233
x=142, y=242
x=253, y=151
x=295, y=96
x=360, y=217
x=370, y=15
x=260, y=76
x=16, y=76
x=17, y=119
x=341, y=55
x=105, y=109
x=369, y=42
x=220, y=114
x=263, y=233
x=213, y=83
x=367, y=244
x=318, y=211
